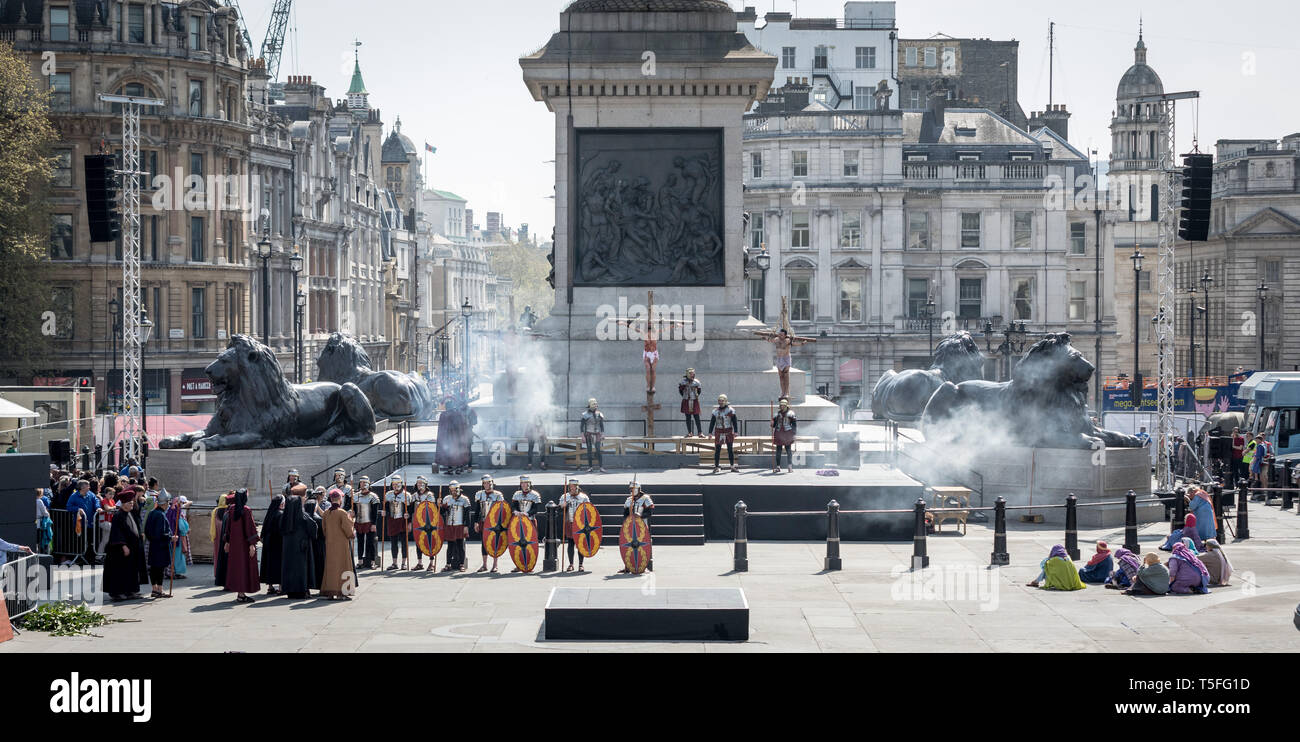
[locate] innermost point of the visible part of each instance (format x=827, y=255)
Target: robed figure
x=124, y=565
x=239, y=544
x=298, y=564
x=272, y=543
x=339, y=533
x=317, y=544
x=455, y=435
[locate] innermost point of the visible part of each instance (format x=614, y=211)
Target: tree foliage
x=26, y=135
x=527, y=267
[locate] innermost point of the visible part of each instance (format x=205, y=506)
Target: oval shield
x=634, y=544
x=587, y=529
x=496, y=527
x=523, y=543
x=428, y=528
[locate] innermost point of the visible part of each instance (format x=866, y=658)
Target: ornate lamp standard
x=264, y=252
x=115, y=311
x=300, y=300
x=928, y=314
x=466, y=312
x=1263, y=295
x=1206, y=282
x=1137, y=385
x=1014, y=339
x=146, y=332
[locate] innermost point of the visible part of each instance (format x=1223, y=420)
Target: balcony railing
x=812, y=122
x=973, y=325
x=941, y=173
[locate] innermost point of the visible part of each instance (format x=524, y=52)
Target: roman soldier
x=483, y=499
x=424, y=494
x=569, y=501
x=397, y=506
x=341, y=484
x=322, y=504
x=526, y=501
x=638, y=503
x=290, y=481
x=783, y=435
x=722, y=426
x=690, y=389
x=365, y=511
x=593, y=433
x=455, y=519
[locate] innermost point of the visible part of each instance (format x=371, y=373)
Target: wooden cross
x=649, y=409
x=785, y=325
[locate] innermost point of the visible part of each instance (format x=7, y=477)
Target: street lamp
x=467, y=311
x=300, y=304
x=115, y=311
x=1263, y=294
x=264, y=252
x=1191, y=361
x=1206, y=282
x=1136, y=386
x=929, y=323
x=1014, y=339
x=145, y=332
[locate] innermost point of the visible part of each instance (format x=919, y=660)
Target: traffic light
x=101, y=198
x=550, y=258
x=1194, y=221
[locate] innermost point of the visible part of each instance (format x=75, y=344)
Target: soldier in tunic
x=396, y=509
x=290, y=481
x=424, y=494
x=483, y=499
x=526, y=501
x=569, y=501
x=341, y=484
x=690, y=389
x=593, y=434
x=722, y=426
x=784, y=427
x=455, y=519
x=365, y=511
x=638, y=503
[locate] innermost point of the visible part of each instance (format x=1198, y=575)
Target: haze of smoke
x=524, y=385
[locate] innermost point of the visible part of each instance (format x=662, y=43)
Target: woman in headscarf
x=297, y=564
x=180, y=529
x=124, y=565
x=160, y=546
x=1058, y=572
x=1187, y=574
x=339, y=533
x=216, y=530
x=1191, y=545
x=1202, y=507
x=272, y=545
x=1189, y=530
x=1126, y=572
x=239, y=544
x=1216, y=562
x=1152, y=579
x=1099, y=566
x=312, y=510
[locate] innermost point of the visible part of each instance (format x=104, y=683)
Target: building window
x=799, y=231
x=918, y=230
x=756, y=164
x=1155, y=203
x=196, y=98
x=757, y=306
x=970, y=229
x=135, y=23
x=1144, y=281
x=949, y=60
x=1272, y=273
x=851, y=298
x=801, y=299
x=866, y=57
x=198, y=319
x=196, y=170
x=1023, y=238
x=62, y=168
x=851, y=230
x=787, y=58
x=198, y=253
x=1022, y=295
x=61, y=91
x=914, y=98
x=153, y=238
x=911, y=56
x=61, y=243
x=756, y=238
x=1078, y=301
x=821, y=59
x=60, y=28
x=799, y=163
x=864, y=98
x=851, y=163
x=970, y=300
x=196, y=33
x=931, y=58
x=1078, y=238
x=64, y=312
x=918, y=295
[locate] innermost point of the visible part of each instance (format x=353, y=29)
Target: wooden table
x=950, y=497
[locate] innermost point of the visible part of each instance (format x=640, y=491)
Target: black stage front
x=634, y=614
x=21, y=474
x=873, y=487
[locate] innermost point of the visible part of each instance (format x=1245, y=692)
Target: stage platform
x=634, y=614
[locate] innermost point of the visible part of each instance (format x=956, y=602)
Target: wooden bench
x=950, y=497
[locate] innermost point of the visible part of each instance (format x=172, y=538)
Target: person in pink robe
x=239, y=543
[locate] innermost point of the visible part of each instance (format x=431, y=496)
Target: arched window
x=136, y=90
x=1155, y=203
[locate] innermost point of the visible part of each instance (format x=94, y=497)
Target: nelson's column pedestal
x=648, y=110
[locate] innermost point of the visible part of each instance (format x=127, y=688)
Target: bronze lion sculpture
x=392, y=394
x=901, y=396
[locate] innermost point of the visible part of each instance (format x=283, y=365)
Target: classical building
x=980, y=73
x=841, y=60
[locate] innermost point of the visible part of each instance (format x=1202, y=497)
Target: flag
x=430, y=148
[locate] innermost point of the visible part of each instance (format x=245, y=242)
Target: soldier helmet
x=525, y=478
x=591, y=403
x=293, y=473
x=722, y=399
x=340, y=471
x=420, y=479
x=486, y=478
x=397, y=479
x=454, y=485
x=363, y=479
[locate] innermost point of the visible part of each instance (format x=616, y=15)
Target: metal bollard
x=1131, y=523
x=920, y=560
x=1180, y=511
x=1216, y=494
x=1243, y=520
x=741, y=563
x=551, y=557
x=1000, y=556
x=1072, y=526
x=833, y=561
x=1287, y=496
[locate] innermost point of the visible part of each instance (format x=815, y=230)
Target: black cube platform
x=664, y=614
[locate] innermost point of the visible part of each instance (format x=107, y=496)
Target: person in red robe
x=239, y=544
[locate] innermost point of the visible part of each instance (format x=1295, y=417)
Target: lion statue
x=257, y=408
x=901, y=397
x=1045, y=405
x=393, y=395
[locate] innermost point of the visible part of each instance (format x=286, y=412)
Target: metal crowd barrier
x=69, y=540
x=13, y=576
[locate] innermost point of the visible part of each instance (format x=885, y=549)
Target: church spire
x=1140, y=51
x=358, y=97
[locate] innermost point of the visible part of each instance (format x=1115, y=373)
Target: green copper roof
x=358, y=85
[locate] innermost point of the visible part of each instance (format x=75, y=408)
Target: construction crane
x=273, y=44
x=243, y=25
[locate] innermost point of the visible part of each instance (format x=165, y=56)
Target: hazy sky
x=451, y=71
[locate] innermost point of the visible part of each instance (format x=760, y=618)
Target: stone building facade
x=981, y=73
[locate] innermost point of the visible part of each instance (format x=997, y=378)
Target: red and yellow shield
x=428, y=528
x=496, y=529
x=634, y=544
x=587, y=529
x=523, y=543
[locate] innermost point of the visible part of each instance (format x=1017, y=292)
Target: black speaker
x=1198, y=177
x=850, y=450
x=101, y=198
x=60, y=452
x=1220, y=448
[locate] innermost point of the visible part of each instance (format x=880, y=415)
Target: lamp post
x=146, y=331
x=115, y=311
x=1206, y=282
x=1137, y=385
x=1263, y=294
x=1014, y=338
x=467, y=311
x=300, y=300
x=1191, y=335
x=264, y=252
x=929, y=323
x=442, y=362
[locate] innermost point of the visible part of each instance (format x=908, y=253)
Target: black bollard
x=1243, y=521
x=920, y=560
x=833, y=561
x=551, y=558
x=742, y=539
x=1072, y=526
x=1131, y=523
x=1216, y=494
x=1180, y=511
x=1000, y=557
x=1287, y=496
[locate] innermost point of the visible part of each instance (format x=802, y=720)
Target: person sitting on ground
x=1126, y=572
x=1152, y=579
x=1200, y=505
x=1058, y=572
x=1099, y=567
x=1187, y=574
x=1189, y=530
x=1216, y=562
